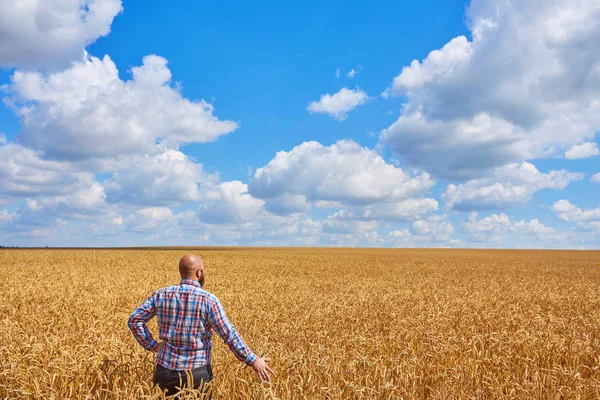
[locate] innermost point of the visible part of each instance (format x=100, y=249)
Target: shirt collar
x=190, y=282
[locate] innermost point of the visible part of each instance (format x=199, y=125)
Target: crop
x=337, y=323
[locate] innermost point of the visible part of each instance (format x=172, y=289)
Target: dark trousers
x=171, y=380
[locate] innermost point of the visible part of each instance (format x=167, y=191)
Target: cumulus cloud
x=339, y=104
x=23, y=173
x=501, y=222
x=401, y=235
x=287, y=204
x=41, y=33
x=229, y=202
x=526, y=86
x=434, y=236
x=533, y=226
x=5, y=216
x=166, y=178
x=336, y=224
x=596, y=178
x=434, y=231
x=87, y=203
x=491, y=223
x=509, y=185
x=585, y=150
x=438, y=66
x=151, y=219
x=567, y=211
x=493, y=228
x=87, y=111
x=249, y=225
x=47, y=213
x=344, y=172
x=407, y=210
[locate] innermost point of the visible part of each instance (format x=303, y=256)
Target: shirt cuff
x=250, y=359
x=153, y=345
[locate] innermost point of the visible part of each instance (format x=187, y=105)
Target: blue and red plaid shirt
x=186, y=314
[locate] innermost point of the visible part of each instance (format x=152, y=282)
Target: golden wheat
x=338, y=324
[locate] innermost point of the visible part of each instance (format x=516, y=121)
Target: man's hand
x=160, y=346
x=262, y=369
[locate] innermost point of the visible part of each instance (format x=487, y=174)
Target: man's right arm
x=137, y=325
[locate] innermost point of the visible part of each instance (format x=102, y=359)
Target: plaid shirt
x=186, y=315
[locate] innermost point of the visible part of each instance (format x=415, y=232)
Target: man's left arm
x=137, y=325
x=227, y=332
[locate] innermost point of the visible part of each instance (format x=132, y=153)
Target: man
x=187, y=314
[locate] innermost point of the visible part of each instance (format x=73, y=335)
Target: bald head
x=191, y=267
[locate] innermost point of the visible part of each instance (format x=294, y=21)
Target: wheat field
x=337, y=323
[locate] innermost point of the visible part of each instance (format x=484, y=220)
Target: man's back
x=186, y=315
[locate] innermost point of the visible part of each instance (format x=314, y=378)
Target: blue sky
x=430, y=124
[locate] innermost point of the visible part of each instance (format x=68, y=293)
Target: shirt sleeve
x=137, y=324
x=227, y=332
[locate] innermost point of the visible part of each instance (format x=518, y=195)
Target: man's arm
x=225, y=329
x=137, y=325
x=227, y=332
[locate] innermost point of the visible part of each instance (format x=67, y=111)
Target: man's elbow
x=131, y=323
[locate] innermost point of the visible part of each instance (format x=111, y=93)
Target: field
x=338, y=324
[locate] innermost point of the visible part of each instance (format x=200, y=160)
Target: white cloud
x=534, y=226
x=584, y=150
x=361, y=239
x=497, y=223
x=39, y=33
x=339, y=104
x=434, y=231
x=90, y=199
x=47, y=213
x=229, y=202
x=567, y=211
x=23, y=173
x=495, y=227
x=354, y=71
x=5, y=216
x=151, y=219
x=596, y=178
x=407, y=210
x=344, y=172
x=527, y=86
x=337, y=72
x=85, y=204
x=402, y=235
x=437, y=67
x=509, y=185
x=169, y=177
x=491, y=223
x=249, y=225
x=338, y=225
x=87, y=111
x=287, y=204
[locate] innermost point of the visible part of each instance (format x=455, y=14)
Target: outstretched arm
x=227, y=332
x=137, y=325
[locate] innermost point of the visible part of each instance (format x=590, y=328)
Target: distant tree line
x=16, y=247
